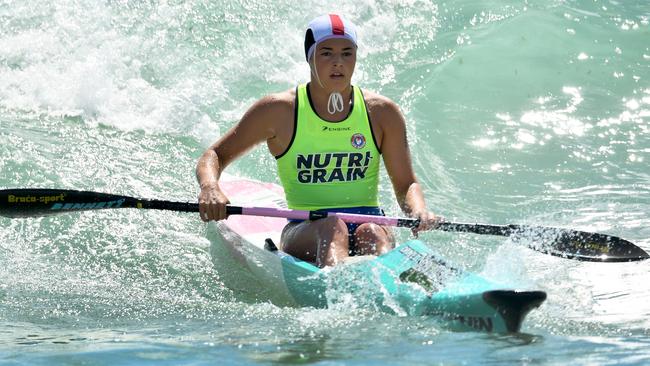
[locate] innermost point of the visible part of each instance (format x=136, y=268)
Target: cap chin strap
x=335, y=103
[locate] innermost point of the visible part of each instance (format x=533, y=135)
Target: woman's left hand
x=428, y=221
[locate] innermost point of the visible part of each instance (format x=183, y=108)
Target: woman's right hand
x=212, y=203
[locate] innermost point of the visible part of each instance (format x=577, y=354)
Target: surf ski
x=409, y=280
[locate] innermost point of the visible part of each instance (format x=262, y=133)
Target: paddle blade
x=44, y=202
x=580, y=245
x=565, y=243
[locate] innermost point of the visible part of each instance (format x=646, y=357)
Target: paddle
x=565, y=243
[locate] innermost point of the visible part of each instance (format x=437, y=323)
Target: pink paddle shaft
x=311, y=215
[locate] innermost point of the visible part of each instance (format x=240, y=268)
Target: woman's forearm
x=412, y=200
x=208, y=169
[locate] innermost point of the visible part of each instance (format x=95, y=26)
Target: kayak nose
x=513, y=305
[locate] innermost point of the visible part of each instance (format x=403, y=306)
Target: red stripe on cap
x=337, y=25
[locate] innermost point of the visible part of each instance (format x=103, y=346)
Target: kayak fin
x=514, y=305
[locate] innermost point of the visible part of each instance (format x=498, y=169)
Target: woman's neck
x=325, y=103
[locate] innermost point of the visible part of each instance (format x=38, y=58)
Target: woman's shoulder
x=379, y=104
x=274, y=106
x=281, y=99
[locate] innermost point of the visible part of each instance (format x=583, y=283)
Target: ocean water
x=534, y=112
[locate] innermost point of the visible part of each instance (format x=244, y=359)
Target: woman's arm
x=397, y=159
x=260, y=123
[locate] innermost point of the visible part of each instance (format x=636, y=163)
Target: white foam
x=80, y=62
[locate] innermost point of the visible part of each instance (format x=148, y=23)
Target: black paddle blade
x=580, y=245
x=44, y=202
x=565, y=243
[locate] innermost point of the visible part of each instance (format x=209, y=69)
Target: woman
x=327, y=137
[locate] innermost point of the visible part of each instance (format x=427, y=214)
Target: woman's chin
x=338, y=82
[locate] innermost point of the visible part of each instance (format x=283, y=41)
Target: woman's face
x=333, y=62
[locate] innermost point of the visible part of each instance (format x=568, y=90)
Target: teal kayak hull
x=410, y=280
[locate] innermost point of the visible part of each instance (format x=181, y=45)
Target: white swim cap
x=327, y=27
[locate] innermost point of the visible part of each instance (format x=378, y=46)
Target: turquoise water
x=531, y=112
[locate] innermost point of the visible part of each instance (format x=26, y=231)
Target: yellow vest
x=330, y=164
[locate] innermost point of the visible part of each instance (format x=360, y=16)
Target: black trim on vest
x=311, y=105
x=372, y=132
x=295, y=126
